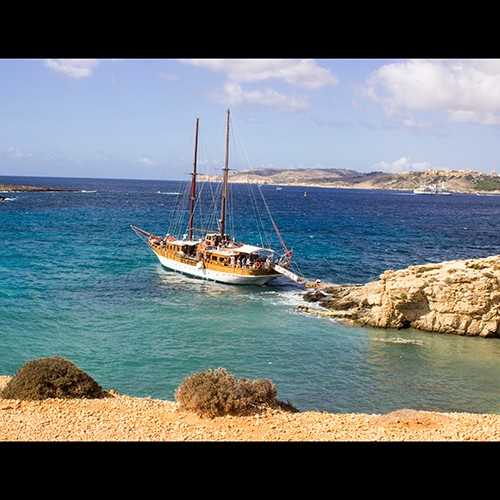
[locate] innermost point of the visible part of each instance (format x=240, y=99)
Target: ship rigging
x=217, y=255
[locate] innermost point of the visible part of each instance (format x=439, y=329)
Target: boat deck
x=213, y=261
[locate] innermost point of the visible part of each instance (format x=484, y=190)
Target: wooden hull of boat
x=213, y=275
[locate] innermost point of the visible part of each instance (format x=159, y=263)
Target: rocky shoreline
x=460, y=297
x=124, y=418
x=18, y=188
x=348, y=187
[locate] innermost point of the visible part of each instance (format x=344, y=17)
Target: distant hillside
x=454, y=180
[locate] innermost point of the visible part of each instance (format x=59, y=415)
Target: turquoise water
x=75, y=281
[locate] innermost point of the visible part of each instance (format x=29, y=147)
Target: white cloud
x=403, y=165
x=74, y=68
x=16, y=153
x=146, y=160
x=485, y=118
x=467, y=90
x=234, y=95
x=302, y=72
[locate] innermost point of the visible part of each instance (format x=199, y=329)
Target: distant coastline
x=20, y=188
x=364, y=188
x=452, y=181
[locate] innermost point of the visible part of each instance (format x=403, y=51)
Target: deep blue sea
x=76, y=281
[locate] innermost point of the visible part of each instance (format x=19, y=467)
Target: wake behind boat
x=215, y=255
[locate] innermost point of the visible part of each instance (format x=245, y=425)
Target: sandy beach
x=124, y=418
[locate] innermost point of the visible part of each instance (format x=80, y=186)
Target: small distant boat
x=431, y=189
x=305, y=194
x=168, y=192
x=2, y=199
x=279, y=188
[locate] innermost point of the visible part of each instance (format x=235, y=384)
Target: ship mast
x=192, y=199
x=225, y=177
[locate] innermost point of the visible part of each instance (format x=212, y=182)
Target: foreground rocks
x=123, y=418
x=461, y=297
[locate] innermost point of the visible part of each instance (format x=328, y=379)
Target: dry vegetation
x=215, y=393
x=83, y=412
x=51, y=378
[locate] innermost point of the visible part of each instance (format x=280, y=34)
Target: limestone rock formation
x=461, y=297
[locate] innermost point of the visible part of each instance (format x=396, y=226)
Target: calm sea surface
x=77, y=282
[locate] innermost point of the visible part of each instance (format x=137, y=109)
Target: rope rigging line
x=182, y=212
x=212, y=222
x=212, y=203
x=176, y=209
x=262, y=232
x=282, y=241
x=265, y=204
x=231, y=205
x=294, y=264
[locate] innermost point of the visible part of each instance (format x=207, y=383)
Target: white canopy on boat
x=246, y=249
x=251, y=249
x=185, y=242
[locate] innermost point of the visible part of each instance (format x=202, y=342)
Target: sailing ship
x=216, y=255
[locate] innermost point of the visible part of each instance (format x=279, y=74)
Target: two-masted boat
x=216, y=255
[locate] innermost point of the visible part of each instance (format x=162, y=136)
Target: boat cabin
x=181, y=247
x=243, y=256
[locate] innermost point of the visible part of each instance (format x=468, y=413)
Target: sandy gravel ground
x=124, y=418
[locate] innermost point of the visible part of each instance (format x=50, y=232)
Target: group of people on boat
x=214, y=243
x=251, y=262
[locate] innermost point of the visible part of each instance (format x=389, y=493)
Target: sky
x=134, y=118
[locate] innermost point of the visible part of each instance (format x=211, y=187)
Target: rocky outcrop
x=13, y=188
x=461, y=297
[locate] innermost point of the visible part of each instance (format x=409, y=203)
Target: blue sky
x=134, y=118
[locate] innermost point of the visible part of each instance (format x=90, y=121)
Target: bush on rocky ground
x=51, y=378
x=214, y=393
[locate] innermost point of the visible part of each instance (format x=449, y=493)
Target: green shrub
x=51, y=378
x=214, y=393
x=488, y=184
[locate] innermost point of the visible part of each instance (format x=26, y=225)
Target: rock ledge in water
x=13, y=188
x=461, y=297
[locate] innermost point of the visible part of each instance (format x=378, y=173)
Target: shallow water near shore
x=76, y=281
